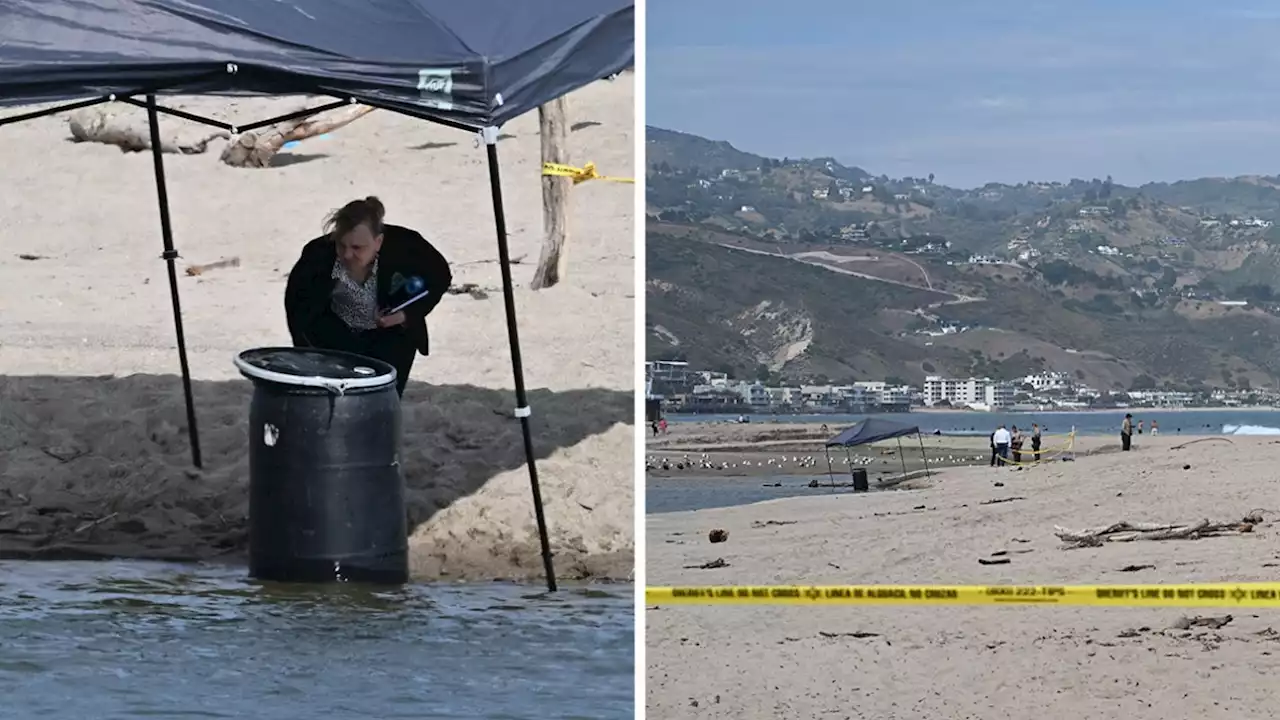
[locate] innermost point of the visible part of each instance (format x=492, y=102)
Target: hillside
x=807, y=269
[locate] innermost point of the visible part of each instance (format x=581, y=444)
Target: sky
x=977, y=91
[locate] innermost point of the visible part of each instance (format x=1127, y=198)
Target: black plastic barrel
x=326, y=499
x=860, y=483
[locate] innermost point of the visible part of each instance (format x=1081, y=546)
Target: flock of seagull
x=703, y=461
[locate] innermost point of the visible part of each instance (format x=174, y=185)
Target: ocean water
x=117, y=640
x=1213, y=421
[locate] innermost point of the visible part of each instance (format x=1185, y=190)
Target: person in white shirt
x=1001, y=438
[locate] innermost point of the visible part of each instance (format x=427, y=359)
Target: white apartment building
x=999, y=395
x=967, y=391
x=954, y=390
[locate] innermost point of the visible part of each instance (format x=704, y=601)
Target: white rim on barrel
x=338, y=385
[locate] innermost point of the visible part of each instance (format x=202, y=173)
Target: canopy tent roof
x=871, y=430
x=474, y=63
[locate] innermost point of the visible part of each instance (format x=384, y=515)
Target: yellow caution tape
x=1265, y=595
x=1059, y=450
x=580, y=175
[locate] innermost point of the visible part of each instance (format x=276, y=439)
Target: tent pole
x=923, y=455
x=170, y=255
x=903, y=458
x=831, y=477
x=848, y=460
x=490, y=135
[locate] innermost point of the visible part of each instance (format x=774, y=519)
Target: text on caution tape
x=580, y=174
x=1216, y=595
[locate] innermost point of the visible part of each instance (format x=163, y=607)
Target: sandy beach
x=93, y=444
x=977, y=662
x=710, y=450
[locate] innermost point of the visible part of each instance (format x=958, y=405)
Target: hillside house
x=1047, y=380
x=1251, y=222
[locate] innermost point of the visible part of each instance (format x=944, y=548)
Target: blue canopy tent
x=873, y=430
x=472, y=65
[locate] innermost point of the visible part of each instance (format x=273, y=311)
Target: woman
x=340, y=289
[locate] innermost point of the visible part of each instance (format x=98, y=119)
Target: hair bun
x=376, y=207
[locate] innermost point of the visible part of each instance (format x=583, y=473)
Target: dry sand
x=84, y=438
x=976, y=662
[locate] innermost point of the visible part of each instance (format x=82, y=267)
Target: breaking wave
x=1249, y=430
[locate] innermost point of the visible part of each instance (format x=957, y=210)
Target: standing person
x=662, y=425
x=1126, y=432
x=1140, y=426
x=994, y=456
x=341, y=287
x=1155, y=428
x=1001, y=438
x=1015, y=445
x=1035, y=442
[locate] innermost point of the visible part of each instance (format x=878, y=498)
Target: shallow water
x=664, y=495
x=108, y=640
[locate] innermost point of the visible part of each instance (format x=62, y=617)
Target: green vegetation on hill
x=737, y=311
x=1117, y=285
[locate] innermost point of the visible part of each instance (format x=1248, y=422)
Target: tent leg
x=513, y=337
x=831, y=477
x=170, y=255
x=923, y=455
x=903, y=458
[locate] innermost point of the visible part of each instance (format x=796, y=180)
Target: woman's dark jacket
x=312, y=322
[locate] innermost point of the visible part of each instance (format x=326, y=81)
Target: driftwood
x=120, y=125
x=256, y=148
x=555, y=195
x=1214, y=622
x=1200, y=440
x=1128, y=531
x=202, y=269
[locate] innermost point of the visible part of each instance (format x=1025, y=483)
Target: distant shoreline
x=1094, y=411
x=684, y=417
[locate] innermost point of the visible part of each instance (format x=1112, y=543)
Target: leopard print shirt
x=356, y=303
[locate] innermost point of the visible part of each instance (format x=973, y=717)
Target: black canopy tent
x=469, y=64
x=873, y=430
